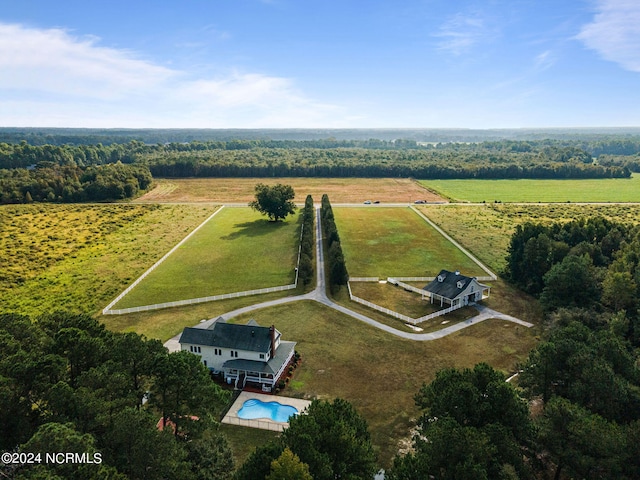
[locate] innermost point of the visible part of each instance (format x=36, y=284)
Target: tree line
x=336, y=265
x=305, y=267
x=583, y=378
x=331, y=158
x=51, y=182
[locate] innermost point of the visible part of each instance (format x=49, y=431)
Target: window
x=191, y=348
x=205, y=363
x=262, y=356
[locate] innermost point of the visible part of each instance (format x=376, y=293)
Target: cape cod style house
x=243, y=354
x=455, y=289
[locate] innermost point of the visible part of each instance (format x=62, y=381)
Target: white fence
x=411, y=288
x=364, y=279
x=395, y=314
x=192, y=301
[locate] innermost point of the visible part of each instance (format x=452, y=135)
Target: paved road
x=319, y=294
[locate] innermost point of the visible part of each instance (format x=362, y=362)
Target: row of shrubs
x=305, y=268
x=336, y=266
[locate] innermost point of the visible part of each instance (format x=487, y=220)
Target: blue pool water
x=253, y=409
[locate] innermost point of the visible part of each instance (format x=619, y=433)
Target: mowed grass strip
x=527, y=190
x=340, y=190
x=237, y=250
x=395, y=241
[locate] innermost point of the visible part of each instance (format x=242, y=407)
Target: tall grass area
x=237, y=250
x=486, y=230
x=380, y=373
x=382, y=242
x=528, y=190
x=79, y=257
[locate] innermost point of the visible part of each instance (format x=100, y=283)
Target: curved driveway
x=319, y=294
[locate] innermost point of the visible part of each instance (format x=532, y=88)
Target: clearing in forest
x=236, y=250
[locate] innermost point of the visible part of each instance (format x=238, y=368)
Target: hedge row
x=338, y=274
x=305, y=269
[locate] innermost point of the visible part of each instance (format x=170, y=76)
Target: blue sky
x=307, y=63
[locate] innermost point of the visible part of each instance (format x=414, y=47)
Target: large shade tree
x=274, y=201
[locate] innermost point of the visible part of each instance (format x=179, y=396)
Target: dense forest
x=312, y=158
x=69, y=385
x=52, y=182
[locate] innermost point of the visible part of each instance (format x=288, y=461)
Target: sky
x=320, y=63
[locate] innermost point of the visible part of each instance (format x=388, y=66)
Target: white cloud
x=615, y=32
x=461, y=33
x=52, y=78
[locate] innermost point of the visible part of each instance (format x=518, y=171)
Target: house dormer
x=460, y=284
x=441, y=278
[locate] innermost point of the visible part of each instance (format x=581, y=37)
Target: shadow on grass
x=256, y=228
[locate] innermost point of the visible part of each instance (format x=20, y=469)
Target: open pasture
x=486, y=230
x=395, y=241
x=236, y=250
x=534, y=190
x=79, y=257
x=340, y=190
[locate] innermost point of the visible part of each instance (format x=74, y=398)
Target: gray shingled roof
x=250, y=337
x=448, y=288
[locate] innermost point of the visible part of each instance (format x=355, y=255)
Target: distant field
x=237, y=250
x=391, y=241
x=340, y=190
x=597, y=190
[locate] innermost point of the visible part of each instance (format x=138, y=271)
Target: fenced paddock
x=397, y=242
x=402, y=240
x=234, y=251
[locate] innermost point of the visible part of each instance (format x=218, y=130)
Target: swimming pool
x=253, y=409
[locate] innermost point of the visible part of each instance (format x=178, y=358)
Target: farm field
x=340, y=190
x=395, y=241
x=79, y=257
x=380, y=373
x=526, y=190
x=236, y=250
x=486, y=230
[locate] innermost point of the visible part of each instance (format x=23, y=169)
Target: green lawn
x=378, y=372
x=237, y=250
x=387, y=242
x=525, y=190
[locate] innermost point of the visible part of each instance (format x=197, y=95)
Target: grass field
x=79, y=257
x=486, y=230
x=340, y=190
x=380, y=373
x=524, y=190
x=384, y=242
x=237, y=250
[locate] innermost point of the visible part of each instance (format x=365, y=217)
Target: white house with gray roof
x=242, y=353
x=455, y=289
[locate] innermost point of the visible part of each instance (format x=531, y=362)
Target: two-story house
x=241, y=353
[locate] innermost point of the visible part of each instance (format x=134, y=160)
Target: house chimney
x=272, y=337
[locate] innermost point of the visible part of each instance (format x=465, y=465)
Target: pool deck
x=231, y=418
